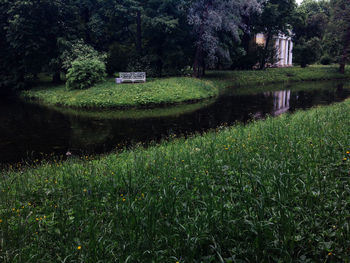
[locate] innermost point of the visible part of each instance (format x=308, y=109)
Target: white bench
x=132, y=76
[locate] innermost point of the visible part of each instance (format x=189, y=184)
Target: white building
x=284, y=49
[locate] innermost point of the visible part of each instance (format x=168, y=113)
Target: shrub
x=78, y=50
x=85, y=73
x=326, y=60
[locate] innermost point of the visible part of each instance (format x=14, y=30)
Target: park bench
x=132, y=76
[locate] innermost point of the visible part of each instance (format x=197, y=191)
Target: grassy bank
x=175, y=90
x=241, y=79
x=272, y=191
x=109, y=95
x=114, y=114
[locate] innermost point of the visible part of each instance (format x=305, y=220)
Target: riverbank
x=252, y=79
x=273, y=190
x=178, y=90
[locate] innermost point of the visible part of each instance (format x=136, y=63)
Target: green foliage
x=85, y=74
x=326, y=60
x=142, y=65
x=79, y=51
x=118, y=58
x=339, y=32
x=307, y=52
x=272, y=191
x=309, y=27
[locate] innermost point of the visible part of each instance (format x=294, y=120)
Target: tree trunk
x=56, y=77
x=139, y=34
x=203, y=67
x=264, y=55
x=197, y=72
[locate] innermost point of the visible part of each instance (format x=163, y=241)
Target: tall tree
x=274, y=19
x=209, y=18
x=340, y=30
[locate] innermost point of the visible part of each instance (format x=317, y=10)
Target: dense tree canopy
x=162, y=37
x=310, y=24
x=339, y=31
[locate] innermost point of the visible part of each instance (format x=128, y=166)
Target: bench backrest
x=132, y=75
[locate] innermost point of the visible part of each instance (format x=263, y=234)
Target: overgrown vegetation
x=86, y=73
x=274, y=190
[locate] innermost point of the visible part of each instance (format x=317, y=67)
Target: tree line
x=163, y=37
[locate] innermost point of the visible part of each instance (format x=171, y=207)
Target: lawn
x=176, y=90
x=276, y=190
x=109, y=95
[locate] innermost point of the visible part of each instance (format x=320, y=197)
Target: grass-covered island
x=174, y=90
x=276, y=190
x=107, y=94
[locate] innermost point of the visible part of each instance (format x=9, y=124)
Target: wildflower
x=0, y=221
x=79, y=247
x=85, y=190
x=68, y=153
x=347, y=152
x=345, y=159
x=124, y=199
x=330, y=254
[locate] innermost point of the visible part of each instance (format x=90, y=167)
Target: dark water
x=29, y=131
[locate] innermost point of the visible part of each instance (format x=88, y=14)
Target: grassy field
x=271, y=191
x=175, y=90
x=109, y=95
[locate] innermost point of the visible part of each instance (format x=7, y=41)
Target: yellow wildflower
x=79, y=247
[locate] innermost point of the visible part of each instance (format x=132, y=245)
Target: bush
x=326, y=60
x=85, y=73
x=79, y=51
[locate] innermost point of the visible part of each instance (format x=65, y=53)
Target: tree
x=310, y=22
x=275, y=18
x=211, y=17
x=339, y=31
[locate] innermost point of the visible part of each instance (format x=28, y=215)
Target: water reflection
x=31, y=130
x=281, y=100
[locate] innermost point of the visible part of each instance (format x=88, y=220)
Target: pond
x=29, y=131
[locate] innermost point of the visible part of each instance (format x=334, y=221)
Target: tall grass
x=272, y=191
